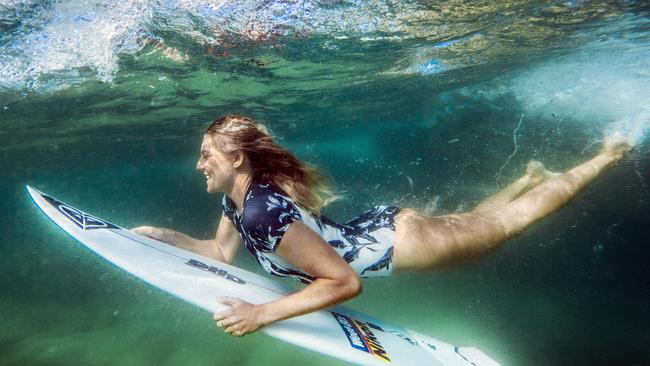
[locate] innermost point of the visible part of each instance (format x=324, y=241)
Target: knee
x=508, y=223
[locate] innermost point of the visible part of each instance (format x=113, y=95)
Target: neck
x=238, y=190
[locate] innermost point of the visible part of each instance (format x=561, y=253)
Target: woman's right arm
x=222, y=248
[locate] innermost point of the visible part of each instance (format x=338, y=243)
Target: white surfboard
x=338, y=332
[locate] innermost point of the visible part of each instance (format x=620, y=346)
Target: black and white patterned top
x=366, y=242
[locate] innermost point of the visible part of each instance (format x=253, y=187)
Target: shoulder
x=267, y=215
x=268, y=206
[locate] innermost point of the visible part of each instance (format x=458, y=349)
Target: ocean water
x=427, y=104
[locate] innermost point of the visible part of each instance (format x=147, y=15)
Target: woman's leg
x=431, y=243
x=535, y=174
x=549, y=196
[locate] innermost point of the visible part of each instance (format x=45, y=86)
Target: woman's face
x=217, y=166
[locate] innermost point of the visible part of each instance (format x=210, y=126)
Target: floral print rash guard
x=365, y=242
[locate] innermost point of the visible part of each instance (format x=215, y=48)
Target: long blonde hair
x=271, y=163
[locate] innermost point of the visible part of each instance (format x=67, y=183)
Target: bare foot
x=537, y=173
x=616, y=146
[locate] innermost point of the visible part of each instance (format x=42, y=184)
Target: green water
x=412, y=121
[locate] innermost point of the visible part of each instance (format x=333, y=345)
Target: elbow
x=352, y=287
x=228, y=259
x=358, y=285
x=215, y=252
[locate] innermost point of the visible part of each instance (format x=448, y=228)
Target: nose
x=198, y=164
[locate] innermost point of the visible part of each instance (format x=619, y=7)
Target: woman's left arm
x=335, y=282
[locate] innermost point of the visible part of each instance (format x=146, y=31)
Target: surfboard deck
x=338, y=332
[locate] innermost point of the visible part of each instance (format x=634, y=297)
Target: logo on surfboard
x=361, y=337
x=80, y=218
x=217, y=271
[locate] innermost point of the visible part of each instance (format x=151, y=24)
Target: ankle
x=608, y=158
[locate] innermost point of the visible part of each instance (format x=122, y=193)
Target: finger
x=221, y=315
x=226, y=319
x=230, y=301
x=219, y=323
x=140, y=230
x=230, y=321
x=148, y=231
x=232, y=329
x=222, y=324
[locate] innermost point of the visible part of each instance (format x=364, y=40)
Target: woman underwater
x=272, y=203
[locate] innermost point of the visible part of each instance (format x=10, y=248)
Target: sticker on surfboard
x=79, y=218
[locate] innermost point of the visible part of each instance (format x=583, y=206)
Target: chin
x=211, y=189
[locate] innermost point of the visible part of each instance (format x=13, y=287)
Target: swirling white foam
x=603, y=85
x=70, y=40
x=64, y=42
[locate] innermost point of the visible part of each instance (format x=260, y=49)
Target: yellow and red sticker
x=361, y=337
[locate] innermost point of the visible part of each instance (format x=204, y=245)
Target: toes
x=538, y=172
x=617, y=144
x=534, y=167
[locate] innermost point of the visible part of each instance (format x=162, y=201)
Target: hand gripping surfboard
x=338, y=332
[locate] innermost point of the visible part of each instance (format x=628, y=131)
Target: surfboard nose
x=32, y=191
